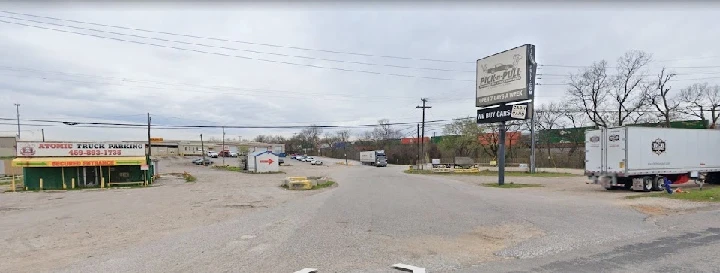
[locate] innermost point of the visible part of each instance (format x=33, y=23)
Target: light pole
x=17, y=109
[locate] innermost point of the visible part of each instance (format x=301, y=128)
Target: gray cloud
x=262, y=93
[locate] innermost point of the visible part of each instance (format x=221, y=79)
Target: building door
x=92, y=176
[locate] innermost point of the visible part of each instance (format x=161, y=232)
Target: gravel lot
x=234, y=222
x=40, y=231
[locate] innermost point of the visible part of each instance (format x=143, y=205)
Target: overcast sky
x=59, y=75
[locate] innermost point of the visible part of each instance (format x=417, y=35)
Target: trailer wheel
x=647, y=184
x=656, y=184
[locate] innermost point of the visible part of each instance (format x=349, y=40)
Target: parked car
x=316, y=162
x=199, y=161
x=281, y=161
x=301, y=158
x=212, y=154
x=308, y=159
x=228, y=154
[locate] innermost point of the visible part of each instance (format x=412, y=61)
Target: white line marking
x=406, y=267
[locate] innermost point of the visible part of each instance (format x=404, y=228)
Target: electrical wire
x=246, y=50
x=74, y=123
x=214, y=90
x=243, y=42
x=237, y=56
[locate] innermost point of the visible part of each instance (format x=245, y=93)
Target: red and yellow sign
x=76, y=162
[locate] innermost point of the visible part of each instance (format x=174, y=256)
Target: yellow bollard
x=63, y=178
x=102, y=182
x=13, y=183
x=72, y=183
x=41, y=184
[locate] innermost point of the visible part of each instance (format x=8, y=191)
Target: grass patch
x=238, y=169
x=707, y=194
x=189, y=178
x=511, y=185
x=248, y=172
x=228, y=168
x=323, y=185
x=494, y=173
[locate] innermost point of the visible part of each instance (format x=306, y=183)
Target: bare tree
x=659, y=98
x=628, y=89
x=596, y=91
x=590, y=88
x=699, y=99
x=385, y=131
x=490, y=140
x=343, y=135
x=547, y=118
x=262, y=138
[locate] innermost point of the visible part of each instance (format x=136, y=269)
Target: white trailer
x=375, y=158
x=640, y=158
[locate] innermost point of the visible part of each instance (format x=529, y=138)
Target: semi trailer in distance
x=375, y=158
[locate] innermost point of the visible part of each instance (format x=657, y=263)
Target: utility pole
x=149, y=143
x=501, y=155
x=223, y=147
x=532, y=143
x=422, y=136
x=418, y=144
x=43, y=134
x=149, y=153
x=202, y=149
x=17, y=109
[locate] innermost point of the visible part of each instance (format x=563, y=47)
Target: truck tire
x=647, y=184
x=657, y=183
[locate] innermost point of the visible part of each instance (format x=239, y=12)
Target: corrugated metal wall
x=6, y=168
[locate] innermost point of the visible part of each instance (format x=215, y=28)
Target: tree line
x=596, y=96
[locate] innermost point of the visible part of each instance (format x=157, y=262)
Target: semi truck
x=645, y=158
x=375, y=158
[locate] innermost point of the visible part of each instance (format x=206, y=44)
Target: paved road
x=381, y=216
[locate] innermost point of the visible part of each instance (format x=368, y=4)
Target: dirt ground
x=581, y=186
x=52, y=229
x=45, y=230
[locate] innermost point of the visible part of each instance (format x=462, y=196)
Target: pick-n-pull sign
x=409, y=268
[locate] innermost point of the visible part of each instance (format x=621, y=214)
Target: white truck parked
x=641, y=158
x=375, y=158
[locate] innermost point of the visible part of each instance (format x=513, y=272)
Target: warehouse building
x=65, y=165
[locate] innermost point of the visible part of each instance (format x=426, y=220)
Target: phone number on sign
x=95, y=152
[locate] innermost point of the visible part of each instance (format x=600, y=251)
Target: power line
x=264, y=91
x=586, y=66
x=313, y=96
x=237, y=56
x=246, y=42
x=246, y=50
x=140, y=125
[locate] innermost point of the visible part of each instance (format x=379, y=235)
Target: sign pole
x=501, y=155
x=532, y=144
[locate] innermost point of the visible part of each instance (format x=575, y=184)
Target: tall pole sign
x=504, y=91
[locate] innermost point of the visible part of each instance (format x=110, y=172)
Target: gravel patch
x=63, y=227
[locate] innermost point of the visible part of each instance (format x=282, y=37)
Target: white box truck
x=375, y=158
x=640, y=158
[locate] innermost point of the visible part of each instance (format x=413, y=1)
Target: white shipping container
x=368, y=156
x=634, y=151
x=594, y=152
